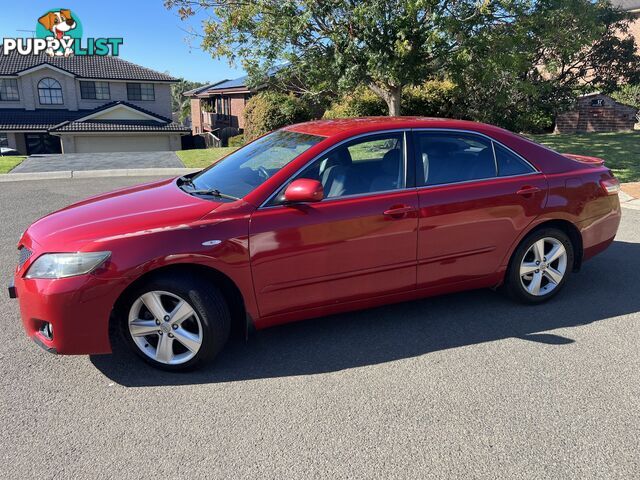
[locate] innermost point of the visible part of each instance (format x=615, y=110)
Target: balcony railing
x=213, y=120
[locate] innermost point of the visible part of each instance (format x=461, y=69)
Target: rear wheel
x=540, y=266
x=175, y=322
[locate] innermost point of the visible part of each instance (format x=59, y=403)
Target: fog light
x=47, y=330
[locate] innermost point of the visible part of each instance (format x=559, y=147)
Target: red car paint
x=308, y=260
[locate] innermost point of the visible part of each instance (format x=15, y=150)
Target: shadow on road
x=606, y=287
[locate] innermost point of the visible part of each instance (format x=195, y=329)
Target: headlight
x=61, y=265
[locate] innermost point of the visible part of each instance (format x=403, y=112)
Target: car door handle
x=399, y=210
x=528, y=190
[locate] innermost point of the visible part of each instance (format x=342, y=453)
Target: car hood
x=147, y=207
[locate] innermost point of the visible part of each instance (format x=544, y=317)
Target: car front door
x=358, y=242
x=476, y=196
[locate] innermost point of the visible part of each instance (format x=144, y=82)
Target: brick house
x=84, y=104
x=596, y=112
x=632, y=7
x=218, y=109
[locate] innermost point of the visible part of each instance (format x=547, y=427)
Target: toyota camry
x=310, y=220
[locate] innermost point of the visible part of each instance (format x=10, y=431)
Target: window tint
x=509, y=163
x=451, y=157
x=368, y=165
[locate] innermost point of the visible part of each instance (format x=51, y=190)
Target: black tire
x=205, y=299
x=513, y=283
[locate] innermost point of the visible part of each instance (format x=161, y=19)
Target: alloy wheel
x=165, y=327
x=543, y=266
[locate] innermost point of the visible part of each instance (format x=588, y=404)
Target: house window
x=9, y=90
x=50, y=92
x=223, y=106
x=95, y=90
x=4, y=140
x=140, y=91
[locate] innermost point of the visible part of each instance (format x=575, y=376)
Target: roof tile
x=83, y=66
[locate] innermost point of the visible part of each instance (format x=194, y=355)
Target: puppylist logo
x=59, y=33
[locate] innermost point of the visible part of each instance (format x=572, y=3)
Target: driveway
x=469, y=385
x=97, y=161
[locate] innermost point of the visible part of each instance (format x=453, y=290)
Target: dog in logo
x=58, y=23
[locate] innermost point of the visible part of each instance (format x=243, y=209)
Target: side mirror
x=304, y=190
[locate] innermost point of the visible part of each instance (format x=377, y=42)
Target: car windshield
x=247, y=168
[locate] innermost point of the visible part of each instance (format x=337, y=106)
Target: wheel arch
x=564, y=225
x=240, y=321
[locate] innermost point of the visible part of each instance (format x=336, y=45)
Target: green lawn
x=620, y=150
x=7, y=163
x=203, y=157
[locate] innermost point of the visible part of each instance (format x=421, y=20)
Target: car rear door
x=475, y=197
x=357, y=243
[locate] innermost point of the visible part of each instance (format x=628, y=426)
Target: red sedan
x=314, y=219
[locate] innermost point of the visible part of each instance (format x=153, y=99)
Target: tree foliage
x=520, y=71
x=333, y=46
x=180, y=103
x=432, y=99
x=513, y=61
x=269, y=111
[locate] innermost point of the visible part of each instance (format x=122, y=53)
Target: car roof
x=354, y=126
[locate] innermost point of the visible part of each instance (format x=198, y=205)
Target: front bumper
x=78, y=309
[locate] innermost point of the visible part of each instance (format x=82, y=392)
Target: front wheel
x=175, y=322
x=540, y=266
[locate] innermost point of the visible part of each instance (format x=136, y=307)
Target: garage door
x=124, y=143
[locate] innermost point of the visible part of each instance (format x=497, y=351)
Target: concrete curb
x=69, y=174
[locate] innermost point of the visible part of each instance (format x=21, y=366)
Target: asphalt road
x=464, y=386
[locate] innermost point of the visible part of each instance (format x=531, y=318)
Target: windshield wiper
x=210, y=191
x=213, y=192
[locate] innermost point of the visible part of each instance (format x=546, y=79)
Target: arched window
x=50, y=92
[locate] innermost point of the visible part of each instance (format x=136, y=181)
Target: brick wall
x=196, y=116
x=596, y=113
x=237, y=109
x=634, y=28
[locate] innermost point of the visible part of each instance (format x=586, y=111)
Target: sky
x=153, y=36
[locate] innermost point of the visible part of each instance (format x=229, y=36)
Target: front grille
x=23, y=255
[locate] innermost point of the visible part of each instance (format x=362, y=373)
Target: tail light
x=611, y=186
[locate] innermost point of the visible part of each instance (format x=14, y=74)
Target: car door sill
x=487, y=281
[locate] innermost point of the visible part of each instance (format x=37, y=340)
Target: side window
x=368, y=165
x=453, y=157
x=509, y=163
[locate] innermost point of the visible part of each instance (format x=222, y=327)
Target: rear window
x=509, y=163
x=453, y=157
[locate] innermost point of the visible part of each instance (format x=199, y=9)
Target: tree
x=180, y=103
x=530, y=60
x=506, y=50
x=332, y=46
x=269, y=111
x=629, y=94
